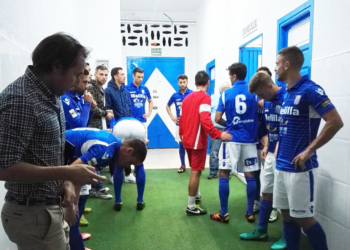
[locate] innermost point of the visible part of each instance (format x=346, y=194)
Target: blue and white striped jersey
x=301, y=112
x=272, y=118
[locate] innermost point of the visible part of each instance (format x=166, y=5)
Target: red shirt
x=195, y=122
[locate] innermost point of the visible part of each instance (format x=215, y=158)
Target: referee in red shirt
x=194, y=126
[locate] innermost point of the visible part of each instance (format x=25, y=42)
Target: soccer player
x=194, y=126
x=240, y=108
x=138, y=96
x=76, y=103
x=129, y=128
x=262, y=85
x=177, y=98
x=304, y=104
x=262, y=137
x=215, y=144
x=97, y=148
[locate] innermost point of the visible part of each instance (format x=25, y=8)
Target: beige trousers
x=35, y=227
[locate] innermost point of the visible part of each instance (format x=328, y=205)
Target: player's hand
x=81, y=174
x=175, y=119
x=226, y=136
x=88, y=97
x=264, y=153
x=300, y=159
x=109, y=116
x=70, y=216
x=146, y=115
x=68, y=193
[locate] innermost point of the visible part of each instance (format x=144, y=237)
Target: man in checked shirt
x=32, y=150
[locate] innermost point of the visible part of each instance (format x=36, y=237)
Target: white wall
x=220, y=25
x=219, y=35
x=330, y=60
x=98, y=25
x=23, y=24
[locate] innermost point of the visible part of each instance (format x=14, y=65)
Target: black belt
x=34, y=201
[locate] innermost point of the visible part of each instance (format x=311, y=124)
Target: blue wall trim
x=249, y=56
x=285, y=23
x=301, y=13
x=208, y=68
x=251, y=40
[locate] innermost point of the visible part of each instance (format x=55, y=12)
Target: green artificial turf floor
x=163, y=224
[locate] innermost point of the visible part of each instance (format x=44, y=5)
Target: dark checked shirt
x=32, y=129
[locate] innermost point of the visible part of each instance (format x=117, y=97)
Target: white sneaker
x=111, y=180
x=102, y=194
x=256, y=206
x=273, y=215
x=131, y=178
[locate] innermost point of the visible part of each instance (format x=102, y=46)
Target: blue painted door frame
x=249, y=56
x=208, y=69
x=287, y=22
x=159, y=133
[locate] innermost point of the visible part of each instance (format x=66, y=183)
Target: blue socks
x=140, y=182
x=182, y=153
x=291, y=232
x=264, y=214
x=224, y=192
x=75, y=239
x=118, y=178
x=317, y=237
x=251, y=190
x=257, y=181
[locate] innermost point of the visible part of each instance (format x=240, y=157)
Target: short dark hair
x=260, y=79
x=115, y=71
x=140, y=149
x=88, y=64
x=183, y=77
x=263, y=68
x=294, y=55
x=101, y=67
x=201, y=78
x=86, y=72
x=58, y=48
x=137, y=70
x=239, y=69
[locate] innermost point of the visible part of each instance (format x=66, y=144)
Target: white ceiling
x=159, y=5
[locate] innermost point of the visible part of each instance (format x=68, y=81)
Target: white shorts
x=177, y=134
x=232, y=155
x=267, y=175
x=84, y=190
x=145, y=125
x=295, y=191
x=130, y=129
